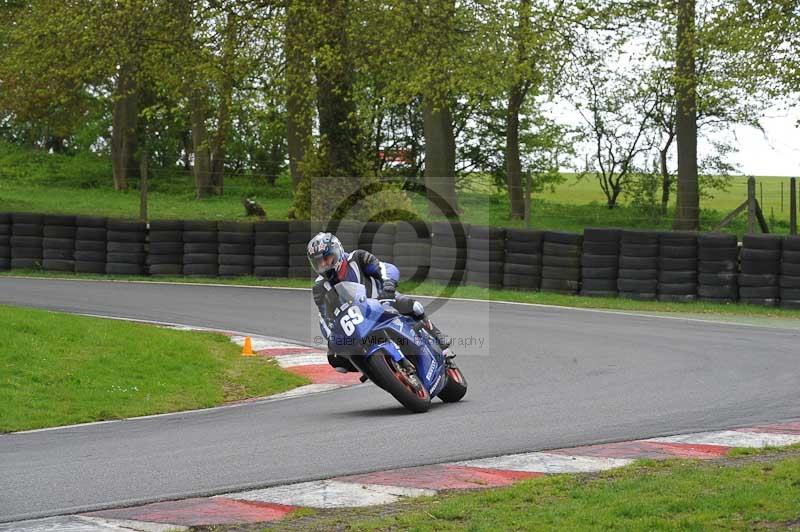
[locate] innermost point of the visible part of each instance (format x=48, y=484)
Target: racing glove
x=389, y=289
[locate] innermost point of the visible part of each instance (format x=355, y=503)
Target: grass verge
x=757, y=490
x=469, y=292
x=58, y=369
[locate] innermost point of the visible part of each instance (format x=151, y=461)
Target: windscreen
x=341, y=293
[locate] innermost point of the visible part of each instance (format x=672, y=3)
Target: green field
x=82, y=185
x=759, y=491
x=60, y=369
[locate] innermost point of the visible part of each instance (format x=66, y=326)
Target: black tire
x=175, y=226
x=448, y=262
x=475, y=254
x=790, y=293
x=126, y=226
x=567, y=274
x=560, y=237
x=166, y=248
x=792, y=257
x=599, y=261
x=601, y=234
x=639, y=250
x=485, y=266
x=271, y=261
x=200, y=225
x=90, y=245
x=760, y=302
x=272, y=239
x=165, y=269
x=90, y=266
x=638, y=275
x=236, y=260
x=599, y=273
x=637, y=286
x=759, y=292
x=601, y=248
x=58, y=265
x=91, y=233
x=530, y=282
x=671, y=277
x=678, y=238
x=448, y=275
x=26, y=263
x=638, y=296
x=677, y=298
x=639, y=237
x=382, y=370
x=123, y=236
x=58, y=254
x=235, y=238
x=790, y=243
x=164, y=259
x=599, y=293
x=5, y=252
x=746, y=279
x=677, y=289
x=522, y=258
x=5, y=229
x=765, y=242
x=494, y=278
x=761, y=255
x=235, y=249
x=27, y=218
x=126, y=258
x=717, y=266
x=26, y=253
x=90, y=256
x=201, y=270
x=234, y=270
x=524, y=235
x=58, y=243
x=414, y=249
x=718, y=254
x=271, y=250
x=59, y=231
x=561, y=262
x=483, y=245
x=522, y=269
x=717, y=300
x=716, y=240
x=27, y=230
x=678, y=252
x=201, y=247
x=638, y=263
x=165, y=236
x=444, y=252
x=201, y=258
x=788, y=281
x=790, y=269
x=271, y=226
x=26, y=241
x=753, y=267
x=199, y=237
x=790, y=304
x=486, y=232
x=272, y=272
x=726, y=292
x=125, y=247
x=117, y=268
x=526, y=248
x=301, y=272
x=90, y=222
x=718, y=279
x=456, y=387
x=681, y=265
x=555, y=249
x=599, y=285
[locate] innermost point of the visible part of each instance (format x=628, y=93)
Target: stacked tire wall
x=26, y=240
x=523, y=259
x=5, y=241
x=638, y=265
x=125, y=249
x=717, y=268
x=448, y=257
x=790, y=273
x=235, y=250
x=91, y=237
x=165, y=248
x=200, y=249
x=300, y=232
x=561, y=262
x=600, y=262
x=378, y=239
x=760, y=268
x=412, y=250
x=486, y=256
x=58, y=244
x=677, y=272
x=271, y=250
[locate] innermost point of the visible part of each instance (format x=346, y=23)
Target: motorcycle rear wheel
x=388, y=375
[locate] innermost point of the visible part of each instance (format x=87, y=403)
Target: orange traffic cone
x=247, y=349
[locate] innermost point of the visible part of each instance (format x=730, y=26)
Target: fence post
x=793, y=206
x=143, y=185
x=751, y=205
x=527, y=199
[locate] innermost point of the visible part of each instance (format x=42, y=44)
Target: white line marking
x=289, y=361
x=733, y=438
x=330, y=494
x=547, y=463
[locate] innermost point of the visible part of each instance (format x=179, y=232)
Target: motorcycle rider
x=332, y=264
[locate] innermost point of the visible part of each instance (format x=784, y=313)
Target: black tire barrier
x=607, y=286
x=162, y=259
x=200, y=269
x=200, y=249
x=378, y=239
x=639, y=264
x=348, y=232
x=271, y=272
x=166, y=248
x=235, y=249
x=600, y=261
x=90, y=244
x=170, y=269
x=485, y=256
x=25, y=242
x=301, y=272
x=561, y=271
x=677, y=276
x=411, y=252
x=561, y=262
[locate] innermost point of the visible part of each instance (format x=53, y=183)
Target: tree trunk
x=687, y=213
x=440, y=159
x=666, y=178
x=202, y=154
x=513, y=163
x=123, y=129
x=298, y=83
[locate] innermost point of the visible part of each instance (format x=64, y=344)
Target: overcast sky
x=774, y=152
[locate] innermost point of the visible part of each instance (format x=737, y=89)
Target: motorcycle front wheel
x=407, y=389
x=456, y=386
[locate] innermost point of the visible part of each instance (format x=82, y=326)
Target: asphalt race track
x=542, y=378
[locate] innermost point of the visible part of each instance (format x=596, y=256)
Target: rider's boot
x=443, y=341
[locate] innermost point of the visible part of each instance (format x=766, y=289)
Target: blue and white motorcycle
x=389, y=349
